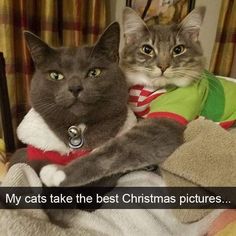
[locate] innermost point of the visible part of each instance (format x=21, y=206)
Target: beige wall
x=209, y=27
x=117, y=7
x=208, y=31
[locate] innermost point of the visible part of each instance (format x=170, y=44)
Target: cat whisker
x=48, y=108
x=184, y=70
x=196, y=75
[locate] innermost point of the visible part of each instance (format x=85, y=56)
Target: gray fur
x=163, y=68
x=148, y=143
x=152, y=140
x=102, y=103
x=96, y=105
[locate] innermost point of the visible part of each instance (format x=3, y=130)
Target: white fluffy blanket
x=113, y=222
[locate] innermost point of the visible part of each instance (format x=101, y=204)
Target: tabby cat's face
x=78, y=84
x=159, y=55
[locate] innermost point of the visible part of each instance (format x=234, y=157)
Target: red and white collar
x=34, y=131
x=42, y=143
x=36, y=154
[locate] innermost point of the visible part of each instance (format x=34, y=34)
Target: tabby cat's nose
x=75, y=89
x=163, y=67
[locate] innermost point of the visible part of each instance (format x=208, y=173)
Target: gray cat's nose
x=75, y=89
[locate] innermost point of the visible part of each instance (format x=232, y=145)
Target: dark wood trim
x=148, y=4
x=129, y=3
x=191, y=5
x=5, y=109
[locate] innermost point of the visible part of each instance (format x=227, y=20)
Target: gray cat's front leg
x=148, y=143
x=83, y=171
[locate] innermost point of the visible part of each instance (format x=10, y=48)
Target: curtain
x=222, y=60
x=58, y=22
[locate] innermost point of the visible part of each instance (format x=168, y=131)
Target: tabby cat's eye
x=147, y=49
x=56, y=75
x=178, y=50
x=93, y=73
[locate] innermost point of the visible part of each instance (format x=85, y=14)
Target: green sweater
x=211, y=97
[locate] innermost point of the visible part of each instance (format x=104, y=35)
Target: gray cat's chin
x=78, y=110
x=71, y=104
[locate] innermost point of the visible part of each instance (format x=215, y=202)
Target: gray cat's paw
x=52, y=175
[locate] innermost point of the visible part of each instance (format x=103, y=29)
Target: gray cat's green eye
x=178, y=50
x=147, y=49
x=56, y=76
x=93, y=73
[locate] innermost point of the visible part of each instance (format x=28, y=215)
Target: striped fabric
x=222, y=60
x=141, y=97
x=58, y=22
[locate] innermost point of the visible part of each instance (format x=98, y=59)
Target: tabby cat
x=162, y=55
x=164, y=66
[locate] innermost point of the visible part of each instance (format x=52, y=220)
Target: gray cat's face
x=73, y=85
x=158, y=55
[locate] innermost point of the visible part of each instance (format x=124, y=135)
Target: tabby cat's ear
x=108, y=43
x=191, y=24
x=39, y=50
x=134, y=26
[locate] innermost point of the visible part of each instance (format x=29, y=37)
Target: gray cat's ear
x=192, y=22
x=39, y=50
x=134, y=26
x=108, y=43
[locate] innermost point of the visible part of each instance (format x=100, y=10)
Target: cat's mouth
x=76, y=102
x=162, y=77
x=71, y=103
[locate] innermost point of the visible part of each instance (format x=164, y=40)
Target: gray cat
x=73, y=87
x=84, y=87
x=148, y=143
